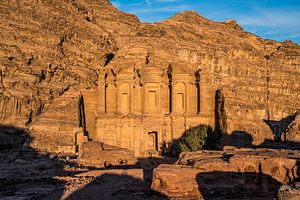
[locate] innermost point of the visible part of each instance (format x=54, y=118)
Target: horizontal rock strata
x=52, y=51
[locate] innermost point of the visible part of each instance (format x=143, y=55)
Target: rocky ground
x=201, y=175
x=233, y=173
x=29, y=175
x=53, y=51
x=270, y=171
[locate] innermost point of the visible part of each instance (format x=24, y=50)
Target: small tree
x=195, y=139
x=198, y=138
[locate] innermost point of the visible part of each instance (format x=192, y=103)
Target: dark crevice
x=220, y=113
x=108, y=58
x=30, y=60
x=29, y=118
x=170, y=87
x=147, y=58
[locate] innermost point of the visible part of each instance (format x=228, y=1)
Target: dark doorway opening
x=152, y=141
x=81, y=115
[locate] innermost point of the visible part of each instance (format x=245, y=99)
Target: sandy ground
x=28, y=175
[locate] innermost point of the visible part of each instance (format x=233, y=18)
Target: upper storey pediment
x=148, y=63
x=178, y=71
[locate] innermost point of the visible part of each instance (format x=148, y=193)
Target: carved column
x=159, y=97
x=165, y=95
x=131, y=97
x=192, y=98
x=203, y=94
x=101, y=92
x=170, y=85
x=146, y=100
x=137, y=98
x=196, y=85
x=118, y=97
x=111, y=93
x=186, y=98
x=143, y=97
x=174, y=110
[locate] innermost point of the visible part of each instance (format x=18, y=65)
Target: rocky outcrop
x=52, y=51
x=292, y=132
x=227, y=172
x=97, y=154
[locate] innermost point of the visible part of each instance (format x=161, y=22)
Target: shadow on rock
x=113, y=185
x=280, y=127
x=11, y=137
x=230, y=185
x=270, y=144
x=26, y=173
x=237, y=139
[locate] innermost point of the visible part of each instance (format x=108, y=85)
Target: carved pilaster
x=111, y=93
x=101, y=92
x=137, y=94
x=203, y=94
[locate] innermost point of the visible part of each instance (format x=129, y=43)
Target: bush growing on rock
x=194, y=139
x=198, y=138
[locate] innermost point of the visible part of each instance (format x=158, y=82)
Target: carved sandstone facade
x=142, y=108
x=44, y=68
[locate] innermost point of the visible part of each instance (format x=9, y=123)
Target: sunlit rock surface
x=51, y=51
x=234, y=174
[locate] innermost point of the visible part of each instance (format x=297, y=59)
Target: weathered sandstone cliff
x=52, y=51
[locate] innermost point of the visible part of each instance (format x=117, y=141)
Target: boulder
x=282, y=169
x=176, y=181
x=292, y=133
x=98, y=154
x=231, y=173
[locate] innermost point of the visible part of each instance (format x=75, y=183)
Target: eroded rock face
x=98, y=154
x=231, y=173
x=51, y=52
x=292, y=133
x=176, y=181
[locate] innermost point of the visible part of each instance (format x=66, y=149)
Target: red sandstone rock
x=176, y=181
x=51, y=51
x=97, y=154
x=207, y=173
x=292, y=133
x=283, y=170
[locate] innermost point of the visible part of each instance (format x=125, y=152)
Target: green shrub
x=195, y=139
x=198, y=138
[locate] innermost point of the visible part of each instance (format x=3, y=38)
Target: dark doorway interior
x=152, y=141
x=81, y=115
